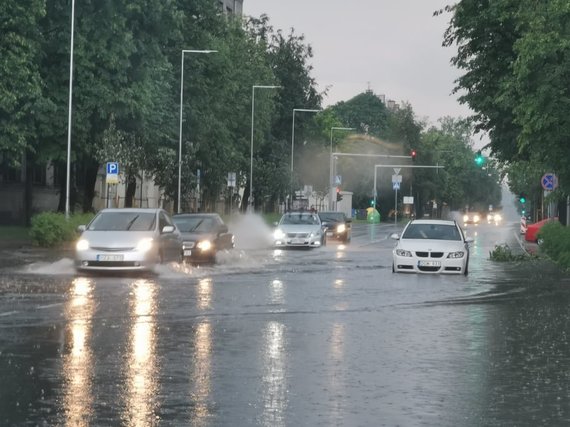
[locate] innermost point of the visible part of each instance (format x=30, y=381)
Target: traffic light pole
x=399, y=166
x=385, y=156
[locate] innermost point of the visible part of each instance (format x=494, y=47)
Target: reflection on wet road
x=274, y=337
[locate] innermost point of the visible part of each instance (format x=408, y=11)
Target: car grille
x=429, y=254
x=105, y=249
x=298, y=235
x=113, y=264
x=430, y=269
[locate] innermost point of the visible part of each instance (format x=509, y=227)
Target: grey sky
x=393, y=45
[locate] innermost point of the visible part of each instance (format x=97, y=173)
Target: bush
x=503, y=253
x=52, y=229
x=556, y=243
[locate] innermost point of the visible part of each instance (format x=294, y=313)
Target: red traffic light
x=413, y=153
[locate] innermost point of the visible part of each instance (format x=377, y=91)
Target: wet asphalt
x=265, y=337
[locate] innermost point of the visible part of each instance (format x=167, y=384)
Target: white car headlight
x=465, y=218
x=204, y=245
x=458, y=254
x=144, y=245
x=278, y=234
x=403, y=252
x=341, y=228
x=476, y=218
x=498, y=218
x=82, y=245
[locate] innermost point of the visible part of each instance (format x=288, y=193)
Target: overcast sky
x=392, y=46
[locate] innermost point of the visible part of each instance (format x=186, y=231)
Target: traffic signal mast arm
x=399, y=166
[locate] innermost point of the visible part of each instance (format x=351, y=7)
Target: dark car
x=203, y=235
x=338, y=226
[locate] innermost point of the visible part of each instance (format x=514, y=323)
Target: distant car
x=531, y=234
x=299, y=229
x=471, y=218
x=203, y=235
x=431, y=246
x=337, y=225
x=127, y=239
x=494, y=218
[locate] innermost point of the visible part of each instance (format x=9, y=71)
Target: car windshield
x=300, y=218
x=190, y=224
x=123, y=221
x=332, y=216
x=432, y=232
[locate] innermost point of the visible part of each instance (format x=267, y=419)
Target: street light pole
x=68, y=171
x=331, y=183
x=303, y=110
x=180, y=128
x=250, y=203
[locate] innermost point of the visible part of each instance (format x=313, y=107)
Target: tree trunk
x=28, y=187
x=130, y=191
x=90, y=178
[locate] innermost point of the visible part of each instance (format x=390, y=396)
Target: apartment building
x=231, y=7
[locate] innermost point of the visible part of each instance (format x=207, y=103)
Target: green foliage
x=516, y=59
x=49, y=229
x=503, y=253
x=556, y=243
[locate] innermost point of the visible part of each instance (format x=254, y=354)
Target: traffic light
x=338, y=195
x=522, y=198
x=413, y=154
x=479, y=159
x=372, y=202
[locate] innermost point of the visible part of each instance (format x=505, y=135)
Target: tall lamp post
x=180, y=128
x=302, y=110
x=250, y=204
x=331, y=183
x=68, y=171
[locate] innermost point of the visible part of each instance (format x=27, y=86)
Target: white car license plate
x=329, y=233
x=429, y=263
x=294, y=241
x=109, y=257
x=187, y=252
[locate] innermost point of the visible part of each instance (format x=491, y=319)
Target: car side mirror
x=395, y=236
x=168, y=229
x=223, y=228
x=275, y=223
x=469, y=240
x=81, y=228
x=325, y=224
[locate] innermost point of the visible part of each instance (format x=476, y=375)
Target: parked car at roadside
x=431, y=246
x=203, y=236
x=337, y=226
x=531, y=233
x=299, y=229
x=127, y=239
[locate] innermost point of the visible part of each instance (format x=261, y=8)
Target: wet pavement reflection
x=276, y=337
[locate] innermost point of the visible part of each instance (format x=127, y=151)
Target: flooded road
x=267, y=337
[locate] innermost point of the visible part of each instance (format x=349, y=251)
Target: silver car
x=127, y=239
x=299, y=229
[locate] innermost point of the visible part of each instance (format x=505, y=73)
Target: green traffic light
x=522, y=199
x=479, y=159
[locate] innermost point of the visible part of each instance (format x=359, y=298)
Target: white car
x=299, y=229
x=431, y=246
x=129, y=239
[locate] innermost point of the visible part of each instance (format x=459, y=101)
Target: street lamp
x=302, y=110
x=180, y=129
x=68, y=173
x=250, y=204
x=331, y=183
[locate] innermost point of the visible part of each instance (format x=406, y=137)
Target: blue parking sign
x=112, y=168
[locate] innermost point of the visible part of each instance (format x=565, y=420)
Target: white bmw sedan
x=431, y=246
